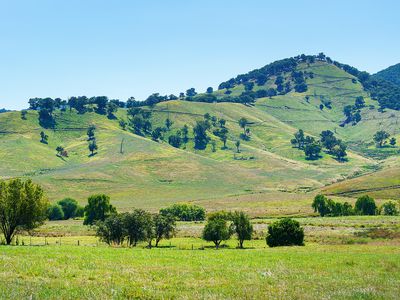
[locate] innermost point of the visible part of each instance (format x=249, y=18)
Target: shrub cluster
x=65, y=209
x=185, y=212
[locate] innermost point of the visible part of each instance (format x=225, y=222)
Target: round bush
x=55, y=212
x=285, y=232
x=365, y=205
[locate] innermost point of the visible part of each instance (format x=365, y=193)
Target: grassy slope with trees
x=152, y=174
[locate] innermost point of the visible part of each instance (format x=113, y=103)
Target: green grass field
x=343, y=258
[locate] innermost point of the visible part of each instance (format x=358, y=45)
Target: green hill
x=268, y=176
x=391, y=74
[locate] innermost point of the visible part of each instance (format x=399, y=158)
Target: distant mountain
x=391, y=74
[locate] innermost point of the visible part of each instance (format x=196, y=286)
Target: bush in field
x=217, y=230
x=365, y=205
x=111, y=230
x=55, y=212
x=185, y=212
x=70, y=207
x=23, y=206
x=242, y=227
x=285, y=232
x=98, y=209
x=389, y=209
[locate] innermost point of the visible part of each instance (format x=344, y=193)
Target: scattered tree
x=242, y=227
x=168, y=123
x=92, y=147
x=112, y=230
x=91, y=132
x=23, y=206
x=217, y=230
x=201, y=138
x=98, y=209
x=165, y=226
x=237, y=144
x=60, y=150
x=380, y=137
x=43, y=137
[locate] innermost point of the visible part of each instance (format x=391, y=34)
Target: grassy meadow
x=343, y=258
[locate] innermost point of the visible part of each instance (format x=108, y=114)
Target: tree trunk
x=8, y=238
x=241, y=244
x=216, y=244
x=157, y=241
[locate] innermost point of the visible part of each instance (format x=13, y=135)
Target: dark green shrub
x=55, y=212
x=365, y=205
x=389, y=209
x=285, y=232
x=69, y=207
x=185, y=212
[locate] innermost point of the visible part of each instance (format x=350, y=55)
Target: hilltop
x=267, y=176
x=391, y=74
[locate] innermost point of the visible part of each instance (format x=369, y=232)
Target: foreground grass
x=310, y=272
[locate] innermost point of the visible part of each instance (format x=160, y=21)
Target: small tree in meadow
x=242, y=227
x=98, y=209
x=164, y=227
x=217, y=230
x=23, y=206
x=136, y=224
x=111, y=230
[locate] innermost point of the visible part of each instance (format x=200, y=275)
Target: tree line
x=364, y=205
x=23, y=206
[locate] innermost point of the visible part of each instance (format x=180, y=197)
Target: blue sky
x=134, y=48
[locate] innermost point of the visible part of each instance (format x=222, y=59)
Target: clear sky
x=134, y=48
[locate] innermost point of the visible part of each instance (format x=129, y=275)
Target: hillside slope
x=267, y=173
x=391, y=74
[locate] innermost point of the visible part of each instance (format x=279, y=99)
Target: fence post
x=78, y=242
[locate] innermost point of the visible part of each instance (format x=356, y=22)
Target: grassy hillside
x=265, y=174
x=383, y=184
